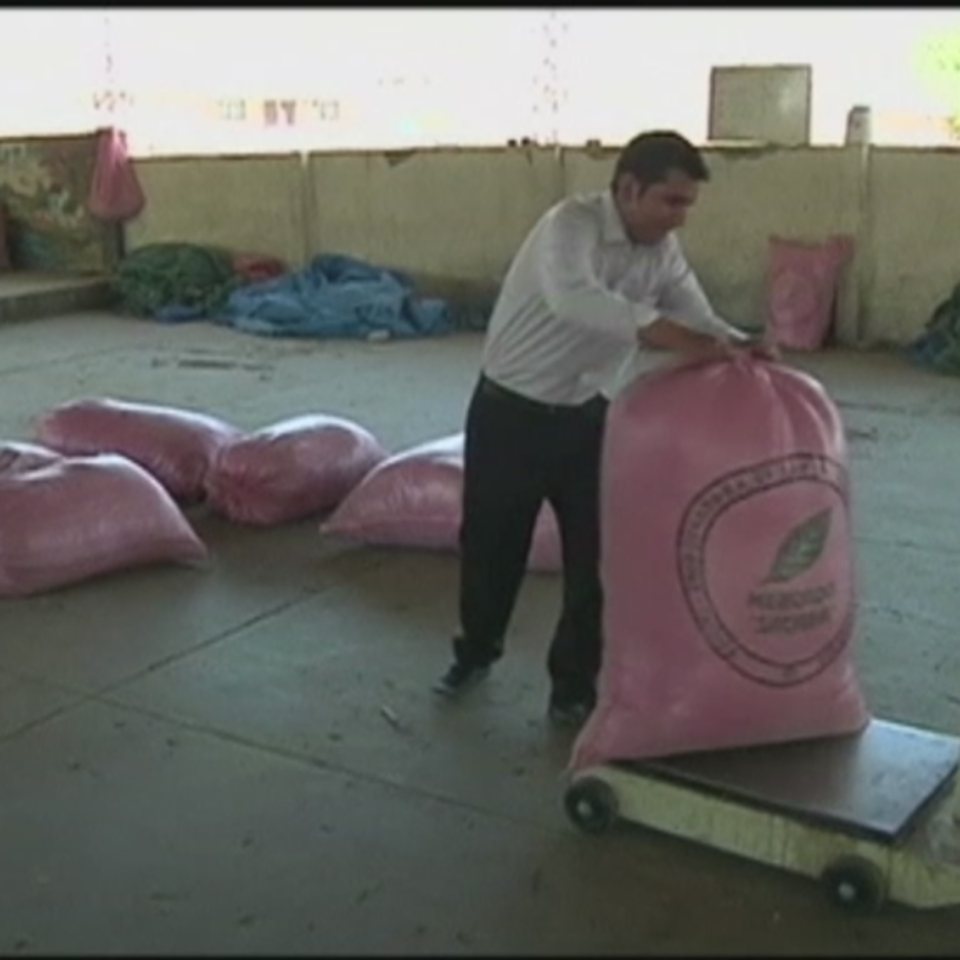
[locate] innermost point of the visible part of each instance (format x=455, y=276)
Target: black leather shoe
x=460, y=678
x=569, y=715
x=570, y=711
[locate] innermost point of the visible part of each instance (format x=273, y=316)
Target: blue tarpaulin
x=938, y=346
x=336, y=296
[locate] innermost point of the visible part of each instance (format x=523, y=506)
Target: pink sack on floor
x=728, y=566
x=292, y=469
x=802, y=283
x=414, y=500
x=175, y=446
x=81, y=518
x=115, y=191
x=16, y=457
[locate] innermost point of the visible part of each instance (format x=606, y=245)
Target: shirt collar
x=613, y=229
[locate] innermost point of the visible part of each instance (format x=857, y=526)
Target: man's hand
x=707, y=350
x=693, y=346
x=667, y=334
x=763, y=346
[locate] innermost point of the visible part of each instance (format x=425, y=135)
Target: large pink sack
x=115, y=191
x=802, y=284
x=79, y=518
x=175, y=446
x=727, y=563
x=292, y=469
x=414, y=499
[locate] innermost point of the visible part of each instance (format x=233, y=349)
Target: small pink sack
x=17, y=458
x=414, y=500
x=175, y=446
x=80, y=518
x=291, y=470
x=115, y=191
x=727, y=564
x=802, y=284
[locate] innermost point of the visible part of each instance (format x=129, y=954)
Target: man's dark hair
x=649, y=157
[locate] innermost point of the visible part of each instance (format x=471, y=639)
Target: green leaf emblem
x=801, y=548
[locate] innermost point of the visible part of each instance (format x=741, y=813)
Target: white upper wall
x=416, y=77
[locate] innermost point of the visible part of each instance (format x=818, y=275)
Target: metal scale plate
x=876, y=783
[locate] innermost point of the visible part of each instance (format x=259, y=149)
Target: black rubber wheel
x=591, y=804
x=855, y=885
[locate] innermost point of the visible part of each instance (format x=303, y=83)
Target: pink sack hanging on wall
x=115, y=191
x=727, y=564
x=802, y=284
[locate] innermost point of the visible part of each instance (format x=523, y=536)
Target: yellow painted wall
x=459, y=215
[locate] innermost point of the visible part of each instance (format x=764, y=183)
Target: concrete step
x=32, y=296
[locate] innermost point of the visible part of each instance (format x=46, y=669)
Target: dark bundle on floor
x=938, y=347
x=186, y=281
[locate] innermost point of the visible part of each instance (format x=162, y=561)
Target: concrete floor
x=202, y=761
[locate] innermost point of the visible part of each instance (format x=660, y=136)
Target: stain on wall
x=44, y=183
x=457, y=214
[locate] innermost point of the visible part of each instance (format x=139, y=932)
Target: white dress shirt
x=578, y=291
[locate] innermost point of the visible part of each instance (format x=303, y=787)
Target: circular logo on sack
x=765, y=564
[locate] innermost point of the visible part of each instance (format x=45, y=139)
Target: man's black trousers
x=520, y=453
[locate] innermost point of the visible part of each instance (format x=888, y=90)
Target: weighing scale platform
x=872, y=815
x=876, y=783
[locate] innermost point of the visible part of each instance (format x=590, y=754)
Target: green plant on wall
x=938, y=62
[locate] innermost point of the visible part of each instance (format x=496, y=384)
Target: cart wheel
x=855, y=884
x=591, y=804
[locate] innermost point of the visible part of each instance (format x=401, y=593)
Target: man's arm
x=571, y=286
x=683, y=298
x=669, y=334
x=575, y=293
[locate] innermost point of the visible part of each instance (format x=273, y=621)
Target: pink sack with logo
x=414, y=499
x=802, y=284
x=728, y=566
x=175, y=446
x=80, y=518
x=290, y=470
x=115, y=191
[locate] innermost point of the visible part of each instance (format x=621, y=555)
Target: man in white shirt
x=598, y=277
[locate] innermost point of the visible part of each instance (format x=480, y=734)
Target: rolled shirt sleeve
x=683, y=300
